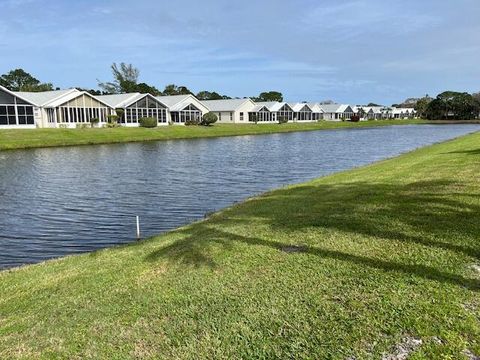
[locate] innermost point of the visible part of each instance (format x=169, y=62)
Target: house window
x=219, y=116
x=7, y=115
x=241, y=116
x=231, y=116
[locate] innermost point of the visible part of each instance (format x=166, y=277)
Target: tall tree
x=270, y=96
x=422, y=104
x=207, y=95
x=20, y=80
x=125, y=78
x=453, y=105
x=147, y=89
x=173, y=89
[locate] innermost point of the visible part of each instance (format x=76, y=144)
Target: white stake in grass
x=138, y=228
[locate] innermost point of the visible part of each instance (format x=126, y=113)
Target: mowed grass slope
x=347, y=265
x=33, y=138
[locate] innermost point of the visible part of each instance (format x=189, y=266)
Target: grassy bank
x=353, y=264
x=22, y=139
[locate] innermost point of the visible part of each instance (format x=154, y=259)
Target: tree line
x=448, y=105
x=125, y=80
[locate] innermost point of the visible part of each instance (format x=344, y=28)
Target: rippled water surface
x=67, y=200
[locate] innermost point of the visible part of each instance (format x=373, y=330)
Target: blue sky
x=353, y=51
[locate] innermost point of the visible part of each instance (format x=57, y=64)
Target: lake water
x=68, y=200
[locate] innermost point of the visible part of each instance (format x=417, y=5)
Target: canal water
x=69, y=200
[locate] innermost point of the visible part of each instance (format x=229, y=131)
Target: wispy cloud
x=348, y=50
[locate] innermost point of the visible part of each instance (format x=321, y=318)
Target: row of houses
x=71, y=108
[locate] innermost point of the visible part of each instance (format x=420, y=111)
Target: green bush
x=148, y=122
x=94, y=122
x=209, y=119
x=282, y=120
x=112, y=121
x=192, y=122
x=120, y=113
x=82, y=126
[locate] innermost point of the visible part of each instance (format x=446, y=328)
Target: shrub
x=209, y=119
x=94, y=122
x=112, y=121
x=191, y=122
x=148, y=122
x=355, y=118
x=282, y=120
x=120, y=113
x=82, y=126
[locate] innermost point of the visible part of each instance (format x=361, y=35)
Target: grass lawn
x=20, y=139
x=353, y=264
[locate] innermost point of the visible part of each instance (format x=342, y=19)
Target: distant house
x=16, y=111
x=317, y=111
x=230, y=111
x=270, y=112
x=302, y=112
x=137, y=106
x=402, y=113
x=183, y=108
x=66, y=107
x=337, y=112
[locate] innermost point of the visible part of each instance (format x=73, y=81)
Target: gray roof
x=172, y=100
x=44, y=97
x=299, y=106
x=270, y=105
x=120, y=100
x=330, y=108
x=179, y=102
x=225, y=104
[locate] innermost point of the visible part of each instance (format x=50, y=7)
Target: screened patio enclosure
x=286, y=112
x=262, y=115
x=146, y=107
x=14, y=110
x=189, y=114
x=304, y=114
x=80, y=109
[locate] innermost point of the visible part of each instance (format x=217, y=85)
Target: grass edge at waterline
x=352, y=264
x=11, y=139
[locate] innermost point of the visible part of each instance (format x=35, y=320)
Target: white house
x=337, y=112
x=402, y=113
x=16, y=112
x=302, y=112
x=136, y=106
x=66, y=107
x=265, y=112
x=230, y=111
x=183, y=108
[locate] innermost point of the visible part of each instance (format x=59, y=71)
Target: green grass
x=373, y=255
x=22, y=139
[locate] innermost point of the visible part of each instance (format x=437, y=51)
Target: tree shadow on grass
x=420, y=213
x=193, y=250
x=470, y=152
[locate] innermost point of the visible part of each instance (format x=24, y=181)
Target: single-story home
x=402, y=113
x=302, y=112
x=337, y=112
x=183, y=108
x=136, y=106
x=271, y=112
x=306, y=111
x=66, y=108
x=230, y=111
